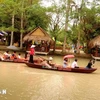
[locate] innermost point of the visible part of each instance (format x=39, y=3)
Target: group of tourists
x=75, y=65
x=11, y=56
x=48, y=63
x=15, y=56
x=44, y=62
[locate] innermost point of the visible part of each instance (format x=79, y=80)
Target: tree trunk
x=78, y=44
x=64, y=45
x=54, y=48
x=66, y=25
x=21, y=34
x=12, y=32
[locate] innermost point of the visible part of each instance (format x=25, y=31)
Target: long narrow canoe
x=17, y=61
x=14, y=61
x=96, y=58
x=59, y=68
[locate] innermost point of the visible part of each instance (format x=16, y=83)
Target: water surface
x=25, y=83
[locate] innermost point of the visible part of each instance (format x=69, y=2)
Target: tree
x=24, y=17
x=66, y=22
x=85, y=21
x=55, y=27
x=90, y=20
x=9, y=8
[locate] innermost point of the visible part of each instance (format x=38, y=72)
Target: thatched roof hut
x=94, y=42
x=37, y=34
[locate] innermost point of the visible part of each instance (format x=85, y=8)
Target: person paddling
x=32, y=52
x=90, y=64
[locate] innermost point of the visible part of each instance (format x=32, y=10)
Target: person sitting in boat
x=45, y=64
x=38, y=60
x=65, y=63
x=21, y=58
x=26, y=55
x=6, y=55
x=90, y=64
x=74, y=64
x=13, y=56
x=1, y=58
x=50, y=61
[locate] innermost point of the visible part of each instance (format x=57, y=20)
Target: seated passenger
x=6, y=55
x=13, y=56
x=50, y=61
x=26, y=56
x=74, y=64
x=45, y=64
x=1, y=58
x=90, y=64
x=38, y=60
x=65, y=63
x=19, y=57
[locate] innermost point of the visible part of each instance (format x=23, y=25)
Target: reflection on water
x=24, y=83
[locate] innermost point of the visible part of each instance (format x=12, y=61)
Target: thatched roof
x=37, y=34
x=94, y=42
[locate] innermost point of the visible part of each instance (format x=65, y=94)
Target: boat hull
x=14, y=61
x=17, y=61
x=60, y=68
x=96, y=58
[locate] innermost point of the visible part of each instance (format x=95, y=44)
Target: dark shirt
x=89, y=65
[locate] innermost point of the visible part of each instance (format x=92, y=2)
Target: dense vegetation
x=65, y=20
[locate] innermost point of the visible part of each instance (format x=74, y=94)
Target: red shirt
x=32, y=51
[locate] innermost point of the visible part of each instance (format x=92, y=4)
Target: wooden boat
x=14, y=61
x=96, y=58
x=60, y=68
x=17, y=61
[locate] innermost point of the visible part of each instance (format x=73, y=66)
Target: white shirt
x=6, y=54
x=65, y=64
x=74, y=64
x=19, y=56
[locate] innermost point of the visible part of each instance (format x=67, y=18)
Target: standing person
x=74, y=64
x=32, y=52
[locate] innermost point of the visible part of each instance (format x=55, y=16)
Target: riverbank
x=57, y=52
x=81, y=54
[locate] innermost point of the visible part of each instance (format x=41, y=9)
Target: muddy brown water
x=20, y=82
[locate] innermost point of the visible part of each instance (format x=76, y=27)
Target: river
x=20, y=82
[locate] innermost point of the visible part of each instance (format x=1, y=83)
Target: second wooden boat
x=96, y=58
x=60, y=68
